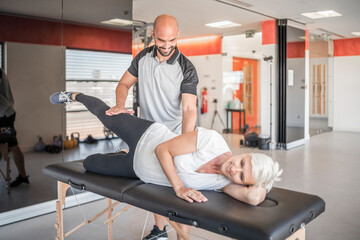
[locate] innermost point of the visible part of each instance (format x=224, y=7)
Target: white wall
x=34, y=72
x=209, y=70
x=295, y=103
x=347, y=93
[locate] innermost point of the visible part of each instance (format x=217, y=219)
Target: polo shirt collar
x=173, y=58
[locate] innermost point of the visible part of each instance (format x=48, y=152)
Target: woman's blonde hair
x=265, y=170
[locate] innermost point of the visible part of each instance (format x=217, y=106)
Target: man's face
x=165, y=40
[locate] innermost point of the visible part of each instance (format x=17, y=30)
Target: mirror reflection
x=32, y=61
x=43, y=52
x=295, y=90
x=320, y=63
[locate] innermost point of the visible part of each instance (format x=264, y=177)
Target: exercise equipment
x=40, y=145
x=283, y=214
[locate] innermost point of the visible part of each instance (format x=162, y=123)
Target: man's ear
x=153, y=34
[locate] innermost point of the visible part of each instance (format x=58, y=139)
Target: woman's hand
x=190, y=195
x=117, y=110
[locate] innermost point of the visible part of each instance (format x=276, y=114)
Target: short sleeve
x=134, y=66
x=210, y=142
x=191, y=80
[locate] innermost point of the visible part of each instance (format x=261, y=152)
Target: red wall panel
x=28, y=30
x=347, y=47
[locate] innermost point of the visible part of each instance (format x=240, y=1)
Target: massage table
x=283, y=214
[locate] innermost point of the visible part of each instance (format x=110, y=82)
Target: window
x=97, y=74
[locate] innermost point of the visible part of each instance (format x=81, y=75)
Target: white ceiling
x=193, y=14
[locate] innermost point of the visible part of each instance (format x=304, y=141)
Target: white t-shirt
x=210, y=144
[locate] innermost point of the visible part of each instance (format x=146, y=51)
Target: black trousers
x=128, y=127
x=7, y=130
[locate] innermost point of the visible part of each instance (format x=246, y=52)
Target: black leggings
x=128, y=127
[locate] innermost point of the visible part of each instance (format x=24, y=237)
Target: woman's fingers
x=192, y=195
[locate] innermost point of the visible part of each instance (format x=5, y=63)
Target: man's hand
x=190, y=195
x=117, y=110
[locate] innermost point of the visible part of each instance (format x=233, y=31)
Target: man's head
x=165, y=34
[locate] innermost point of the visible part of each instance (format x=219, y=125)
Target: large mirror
x=295, y=87
x=43, y=47
x=30, y=35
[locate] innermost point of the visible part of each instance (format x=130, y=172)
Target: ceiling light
x=118, y=22
x=223, y=24
x=321, y=14
x=356, y=33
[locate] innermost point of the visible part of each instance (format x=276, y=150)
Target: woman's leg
x=113, y=164
x=128, y=127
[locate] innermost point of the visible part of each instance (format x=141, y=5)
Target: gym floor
x=328, y=166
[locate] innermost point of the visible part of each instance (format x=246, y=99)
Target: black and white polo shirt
x=161, y=86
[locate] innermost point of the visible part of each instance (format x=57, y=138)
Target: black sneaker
x=61, y=97
x=19, y=180
x=156, y=234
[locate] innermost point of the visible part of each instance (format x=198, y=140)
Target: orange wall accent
x=306, y=39
x=196, y=46
x=295, y=49
x=28, y=30
x=347, y=47
x=268, y=29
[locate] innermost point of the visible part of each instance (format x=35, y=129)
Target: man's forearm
x=121, y=94
x=189, y=120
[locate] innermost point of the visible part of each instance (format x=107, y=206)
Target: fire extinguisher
x=204, y=100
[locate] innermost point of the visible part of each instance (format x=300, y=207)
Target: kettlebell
x=75, y=137
x=40, y=145
x=57, y=141
x=68, y=143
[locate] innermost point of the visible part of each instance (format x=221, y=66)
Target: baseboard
x=45, y=208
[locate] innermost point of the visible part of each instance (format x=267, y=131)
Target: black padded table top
x=76, y=175
x=281, y=214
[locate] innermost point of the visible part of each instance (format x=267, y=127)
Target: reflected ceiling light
x=322, y=14
x=223, y=24
x=356, y=33
x=118, y=22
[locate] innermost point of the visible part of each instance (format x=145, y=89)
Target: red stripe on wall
x=27, y=30
x=200, y=45
x=347, y=47
x=296, y=49
x=76, y=36
x=306, y=39
x=268, y=29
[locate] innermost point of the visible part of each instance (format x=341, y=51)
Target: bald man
x=167, y=90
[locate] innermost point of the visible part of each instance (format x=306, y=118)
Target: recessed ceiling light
x=223, y=24
x=356, y=33
x=118, y=22
x=321, y=14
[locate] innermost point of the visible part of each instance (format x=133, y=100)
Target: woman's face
x=238, y=170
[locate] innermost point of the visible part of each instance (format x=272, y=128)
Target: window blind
x=97, y=74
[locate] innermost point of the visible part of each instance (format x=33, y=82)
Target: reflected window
x=97, y=74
